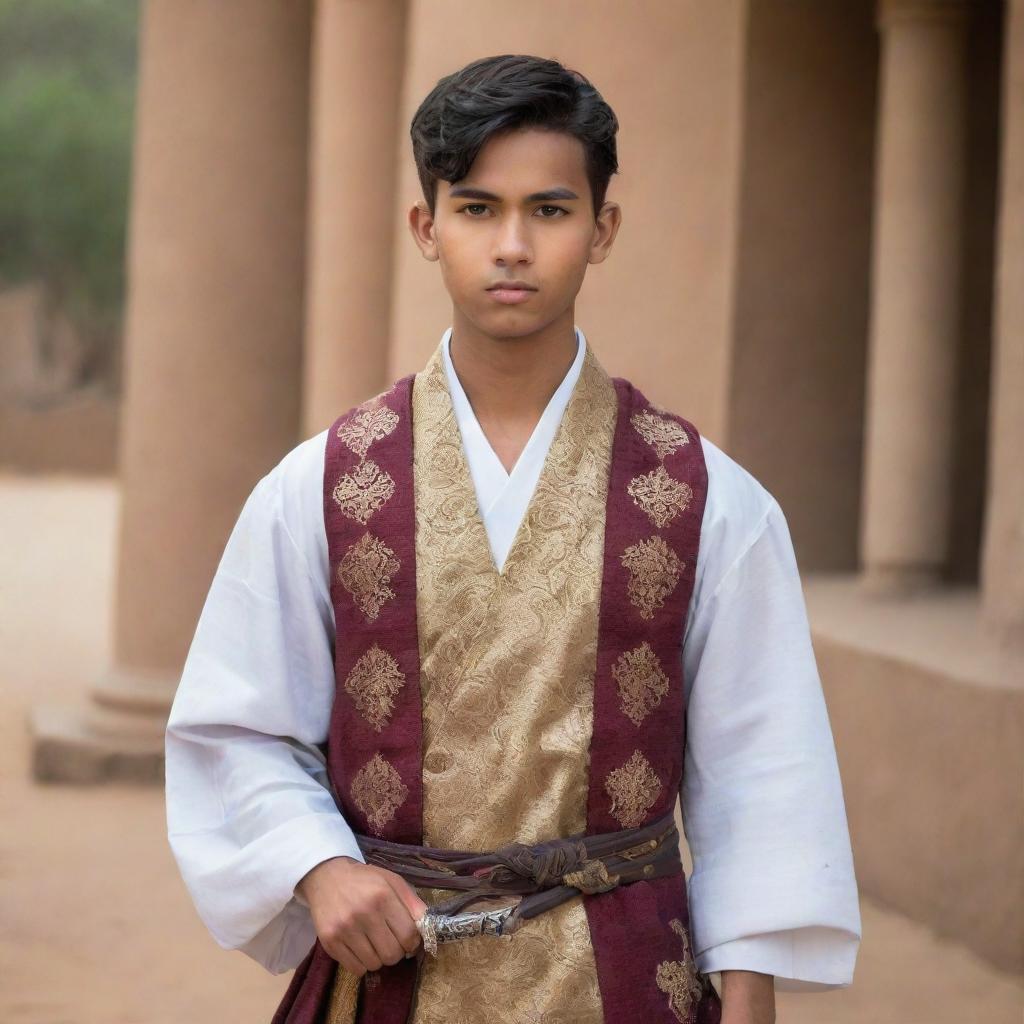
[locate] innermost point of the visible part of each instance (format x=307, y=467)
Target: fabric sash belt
x=543, y=875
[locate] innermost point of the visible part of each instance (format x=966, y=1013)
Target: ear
x=606, y=227
x=421, y=224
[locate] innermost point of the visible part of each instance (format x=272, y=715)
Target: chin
x=512, y=332
x=508, y=324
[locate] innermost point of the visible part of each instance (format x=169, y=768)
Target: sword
x=438, y=928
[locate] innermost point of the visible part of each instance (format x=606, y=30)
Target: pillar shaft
x=916, y=292
x=358, y=59
x=213, y=346
x=1003, y=555
x=214, y=319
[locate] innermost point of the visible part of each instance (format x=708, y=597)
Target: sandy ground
x=95, y=923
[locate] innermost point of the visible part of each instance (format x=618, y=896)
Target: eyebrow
x=465, y=192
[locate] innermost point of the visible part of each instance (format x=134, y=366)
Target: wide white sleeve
x=773, y=887
x=249, y=805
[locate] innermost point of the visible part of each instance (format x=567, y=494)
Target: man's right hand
x=364, y=915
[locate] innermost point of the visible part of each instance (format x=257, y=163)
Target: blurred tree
x=67, y=91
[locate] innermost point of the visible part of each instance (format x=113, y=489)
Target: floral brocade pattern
x=378, y=791
x=507, y=664
x=363, y=491
x=365, y=572
x=634, y=789
x=679, y=979
x=654, y=570
x=641, y=681
x=662, y=433
x=372, y=423
x=372, y=684
x=661, y=496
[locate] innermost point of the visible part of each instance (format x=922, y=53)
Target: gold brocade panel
x=507, y=665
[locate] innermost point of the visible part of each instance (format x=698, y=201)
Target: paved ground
x=95, y=924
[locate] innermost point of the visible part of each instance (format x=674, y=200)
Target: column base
x=117, y=736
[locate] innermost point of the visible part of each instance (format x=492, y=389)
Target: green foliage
x=67, y=89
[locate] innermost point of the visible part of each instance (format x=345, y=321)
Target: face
x=523, y=213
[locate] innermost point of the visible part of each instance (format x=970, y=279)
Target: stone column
x=213, y=346
x=1003, y=555
x=916, y=293
x=358, y=57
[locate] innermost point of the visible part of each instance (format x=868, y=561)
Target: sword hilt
x=438, y=928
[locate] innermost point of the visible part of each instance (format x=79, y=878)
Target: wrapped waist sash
x=542, y=875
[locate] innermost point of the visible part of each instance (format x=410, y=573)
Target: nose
x=512, y=241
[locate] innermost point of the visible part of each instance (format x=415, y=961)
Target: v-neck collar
x=494, y=484
x=502, y=497
x=443, y=467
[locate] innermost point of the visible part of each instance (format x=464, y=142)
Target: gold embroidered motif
x=634, y=788
x=642, y=683
x=660, y=495
x=654, y=570
x=360, y=493
x=372, y=423
x=374, y=680
x=664, y=435
x=378, y=791
x=366, y=571
x=679, y=979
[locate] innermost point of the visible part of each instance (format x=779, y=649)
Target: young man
x=462, y=645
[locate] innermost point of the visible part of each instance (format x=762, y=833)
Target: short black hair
x=503, y=93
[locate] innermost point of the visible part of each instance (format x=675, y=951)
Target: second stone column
x=916, y=293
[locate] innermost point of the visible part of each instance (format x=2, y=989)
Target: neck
x=511, y=379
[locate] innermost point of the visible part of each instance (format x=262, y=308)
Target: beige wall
x=658, y=311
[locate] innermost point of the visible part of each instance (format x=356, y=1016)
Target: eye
x=559, y=209
x=472, y=206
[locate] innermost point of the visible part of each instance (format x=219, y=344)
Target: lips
x=512, y=286
x=511, y=293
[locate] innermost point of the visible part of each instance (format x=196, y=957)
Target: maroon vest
x=656, y=495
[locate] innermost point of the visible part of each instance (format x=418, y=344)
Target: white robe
x=249, y=812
